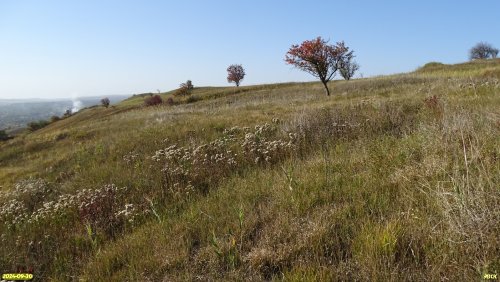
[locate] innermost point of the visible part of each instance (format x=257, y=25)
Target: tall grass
x=393, y=178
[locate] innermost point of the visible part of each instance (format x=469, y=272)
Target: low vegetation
x=3, y=135
x=184, y=89
x=153, y=100
x=35, y=125
x=391, y=178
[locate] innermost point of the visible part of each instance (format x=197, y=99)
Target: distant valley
x=16, y=113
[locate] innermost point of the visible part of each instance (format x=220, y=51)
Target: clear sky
x=104, y=47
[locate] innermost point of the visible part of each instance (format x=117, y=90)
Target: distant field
x=391, y=178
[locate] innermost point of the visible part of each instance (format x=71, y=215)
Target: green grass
x=382, y=183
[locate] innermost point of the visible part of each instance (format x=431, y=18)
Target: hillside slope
x=391, y=178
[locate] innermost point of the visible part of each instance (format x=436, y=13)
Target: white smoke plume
x=77, y=104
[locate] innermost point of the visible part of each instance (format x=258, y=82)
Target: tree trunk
x=326, y=88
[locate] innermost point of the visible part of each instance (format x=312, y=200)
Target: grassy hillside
x=16, y=114
x=391, y=178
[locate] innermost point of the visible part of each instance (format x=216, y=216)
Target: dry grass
x=393, y=178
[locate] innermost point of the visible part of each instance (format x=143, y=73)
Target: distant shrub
x=184, y=89
x=54, y=118
x=153, y=100
x=348, y=68
x=143, y=94
x=483, y=50
x=433, y=64
x=105, y=102
x=35, y=125
x=3, y=135
x=431, y=67
x=67, y=113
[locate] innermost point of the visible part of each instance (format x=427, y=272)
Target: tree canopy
x=319, y=58
x=235, y=73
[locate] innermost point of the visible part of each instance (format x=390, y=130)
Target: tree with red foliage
x=235, y=73
x=319, y=58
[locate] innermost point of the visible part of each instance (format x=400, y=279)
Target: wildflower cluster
x=31, y=186
x=27, y=195
x=128, y=213
x=259, y=149
x=13, y=212
x=31, y=191
x=199, y=165
x=205, y=164
x=98, y=207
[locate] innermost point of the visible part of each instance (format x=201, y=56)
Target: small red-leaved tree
x=235, y=73
x=318, y=58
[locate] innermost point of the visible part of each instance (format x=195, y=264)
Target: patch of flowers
x=32, y=192
x=128, y=213
x=13, y=212
x=258, y=148
x=31, y=186
x=205, y=164
x=101, y=208
x=27, y=196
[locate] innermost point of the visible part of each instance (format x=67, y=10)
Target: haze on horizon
x=58, y=49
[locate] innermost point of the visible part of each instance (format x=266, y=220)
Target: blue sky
x=98, y=48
